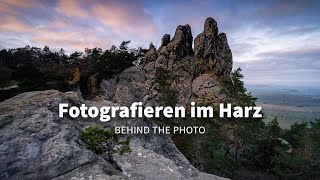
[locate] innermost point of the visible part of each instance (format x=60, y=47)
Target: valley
x=289, y=104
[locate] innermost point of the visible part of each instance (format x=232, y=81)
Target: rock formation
x=212, y=52
x=36, y=144
x=176, y=58
x=195, y=75
x=165, y=40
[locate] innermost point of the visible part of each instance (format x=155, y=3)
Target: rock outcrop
x=165, y=40
x=212, y=52
x=194, y=75
x=36, y=144
x=175, y=58
x=124, y=89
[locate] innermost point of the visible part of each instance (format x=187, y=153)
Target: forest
x=31, y=68
x=230, y=148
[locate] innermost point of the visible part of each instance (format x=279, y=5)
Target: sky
x=274, y=41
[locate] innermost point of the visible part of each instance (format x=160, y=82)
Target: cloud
x=305, y=53
x=11, y=23
x=16, y=7
x=21, y=3
x=283, y=8
x=72, y=8
x=5, y=9
x=72, y=36
x=59, y=23
x=256, y=42
x=271, y=40
x=298, y=30
x=277, y=77
x=125, y=18
x=284, y=68
x=241, y=48
x=72, y=40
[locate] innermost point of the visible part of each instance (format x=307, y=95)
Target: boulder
x=35, y=142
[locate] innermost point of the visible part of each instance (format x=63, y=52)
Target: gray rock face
x=130, y=86
x=126, y=88
x=211, y=27
x=151, y=55
x=224, y=55
x=206, y=90
x=90, y=171
x=181, y=44
x=108, y=89
x=212, y=52
x=36, y=144
x=179, y=47
x=145, y=164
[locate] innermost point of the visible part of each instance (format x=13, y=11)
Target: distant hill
x=288, y=104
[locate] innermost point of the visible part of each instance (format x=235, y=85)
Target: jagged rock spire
x=211, y=26
x=182, y=41
x=212, y=52
x=165, y=40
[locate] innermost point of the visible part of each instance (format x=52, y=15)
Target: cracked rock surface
x=36, y=144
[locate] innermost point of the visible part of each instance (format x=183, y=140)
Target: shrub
x=98, y=139
x=102, y=140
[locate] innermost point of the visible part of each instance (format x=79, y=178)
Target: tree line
x=32, y=68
